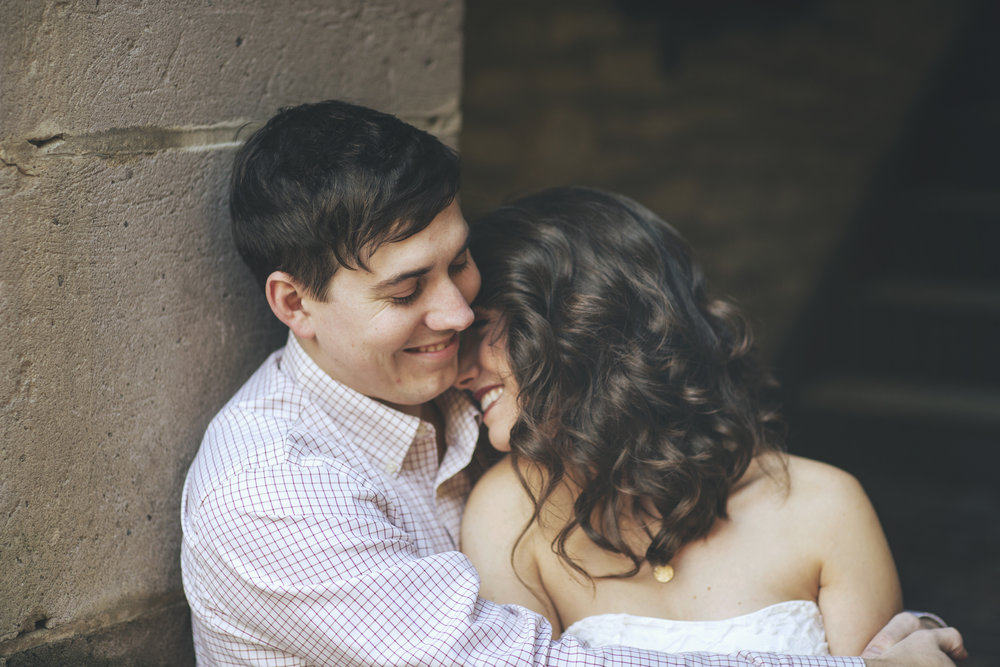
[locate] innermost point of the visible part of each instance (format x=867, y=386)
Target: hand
x=924, y=648
x=899, y=628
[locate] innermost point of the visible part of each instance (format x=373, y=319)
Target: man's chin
x=427, y=391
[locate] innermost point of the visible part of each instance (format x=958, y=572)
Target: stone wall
x=127, y=317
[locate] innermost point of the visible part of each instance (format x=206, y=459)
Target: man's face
x=391, y=333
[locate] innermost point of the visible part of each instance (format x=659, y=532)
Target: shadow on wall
x=679, y=23
x=753, y=131
x=893, y=371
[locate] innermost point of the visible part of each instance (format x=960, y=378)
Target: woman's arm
x=859, y=588
x=497, y=512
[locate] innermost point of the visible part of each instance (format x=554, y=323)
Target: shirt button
x=391, y=468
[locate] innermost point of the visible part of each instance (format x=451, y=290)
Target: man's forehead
x=446, y=238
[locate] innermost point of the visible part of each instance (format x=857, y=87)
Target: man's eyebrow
x=394, y=280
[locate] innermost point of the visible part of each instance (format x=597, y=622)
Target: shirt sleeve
x=293, y=565
x=926, y=615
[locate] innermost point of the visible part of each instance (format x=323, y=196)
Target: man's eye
x=406, y=299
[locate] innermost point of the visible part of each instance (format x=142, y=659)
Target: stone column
x=128, y=318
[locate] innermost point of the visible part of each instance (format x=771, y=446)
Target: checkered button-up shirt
x=319, y=529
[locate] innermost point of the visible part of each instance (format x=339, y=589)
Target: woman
x=646, y=499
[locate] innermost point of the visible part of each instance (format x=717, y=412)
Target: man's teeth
x=433, y=348
x=490, y=397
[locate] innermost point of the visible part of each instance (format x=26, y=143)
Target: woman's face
x=484, y=371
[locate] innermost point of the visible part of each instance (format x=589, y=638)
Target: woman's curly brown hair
x=635, y=386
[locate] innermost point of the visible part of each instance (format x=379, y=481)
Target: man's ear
x=285, y=296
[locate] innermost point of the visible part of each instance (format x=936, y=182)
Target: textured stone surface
x=158, y=638
x=129, y=320
x=85, y=67
x=127, y=317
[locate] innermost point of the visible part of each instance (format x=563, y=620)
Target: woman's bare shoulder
x=825, y=495
x=506, y=492
x=499, y=489
x=500, y=495
x=497, y=538
x=812, y=478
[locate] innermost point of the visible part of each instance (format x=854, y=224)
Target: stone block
x=159, y=638
x=128, y=316
x=129, y=320
x=83, y=68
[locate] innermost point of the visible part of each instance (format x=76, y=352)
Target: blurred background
x=835, y=166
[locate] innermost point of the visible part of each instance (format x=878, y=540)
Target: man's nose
x=468, y=360
x=449, y=310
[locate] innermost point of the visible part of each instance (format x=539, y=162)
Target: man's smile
x=440, y=346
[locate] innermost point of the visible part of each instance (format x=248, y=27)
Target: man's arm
x=324, y=575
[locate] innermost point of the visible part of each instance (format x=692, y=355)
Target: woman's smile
x=488, y=396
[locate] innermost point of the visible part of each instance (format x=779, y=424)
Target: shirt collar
x=462, y=420
x=384, y=433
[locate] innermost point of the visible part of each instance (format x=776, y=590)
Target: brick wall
x=753, y=127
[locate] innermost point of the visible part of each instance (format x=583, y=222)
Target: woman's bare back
x=797, y=530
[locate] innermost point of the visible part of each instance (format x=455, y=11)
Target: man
x=321, y=514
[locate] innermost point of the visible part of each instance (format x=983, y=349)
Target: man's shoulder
x=263, y=409
x=266, y=460
x=267, y=424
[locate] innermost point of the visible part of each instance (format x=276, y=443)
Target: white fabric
x=793, y=627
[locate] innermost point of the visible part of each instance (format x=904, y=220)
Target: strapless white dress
x=794, y=627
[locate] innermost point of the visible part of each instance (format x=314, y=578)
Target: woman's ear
x=284, y=295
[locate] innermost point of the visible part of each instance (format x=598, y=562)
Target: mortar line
x=125, y=613
x=27, y=154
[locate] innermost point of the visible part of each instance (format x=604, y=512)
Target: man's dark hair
x=323, y=185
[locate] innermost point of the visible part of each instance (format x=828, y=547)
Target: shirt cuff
x=926, y=615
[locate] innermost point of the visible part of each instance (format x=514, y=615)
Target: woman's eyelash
x=460, y=266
